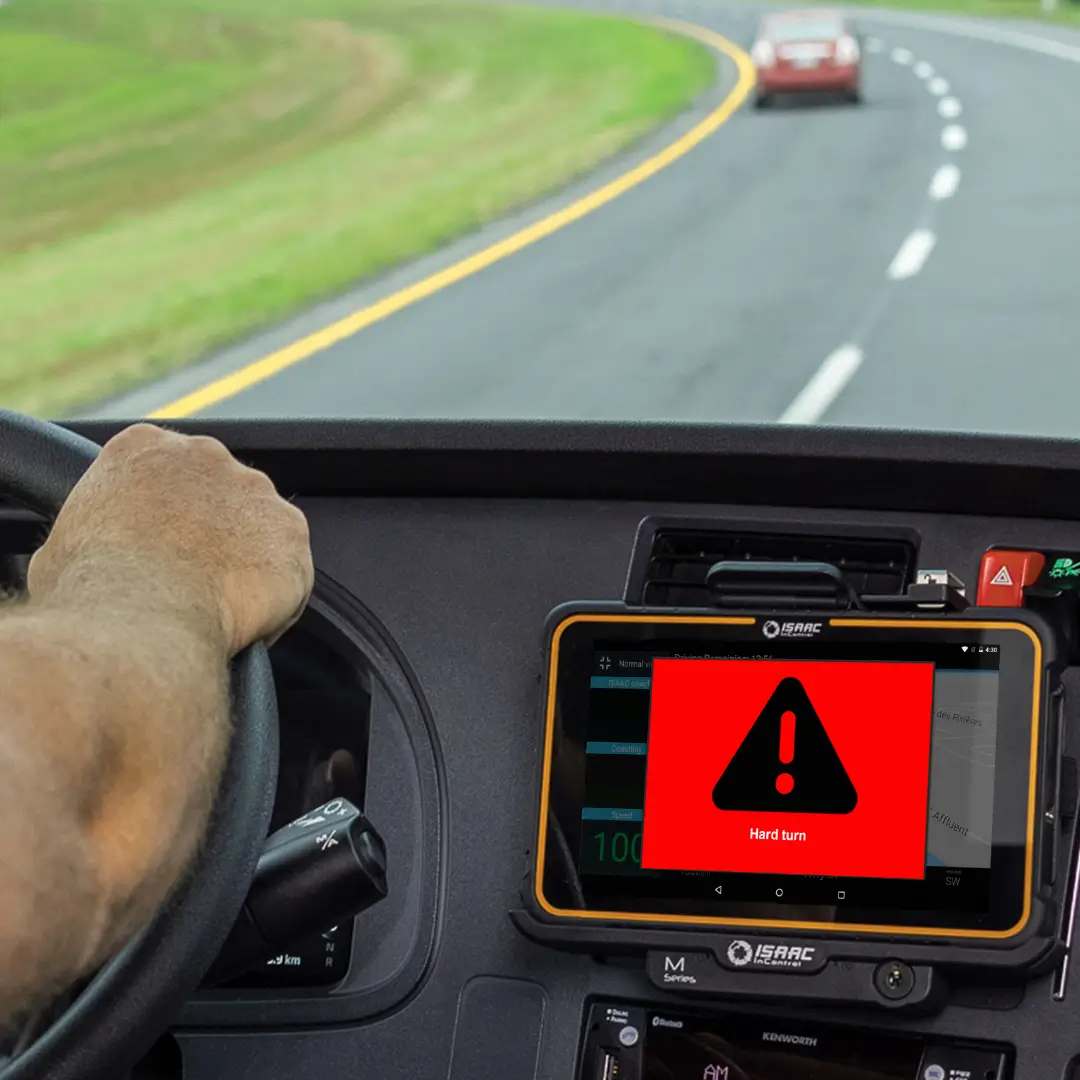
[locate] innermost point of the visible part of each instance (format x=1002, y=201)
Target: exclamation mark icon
x=786, y=762
x=785, y=782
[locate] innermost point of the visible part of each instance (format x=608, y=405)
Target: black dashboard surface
x=459, y=540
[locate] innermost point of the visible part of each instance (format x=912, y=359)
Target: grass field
x=174, y=173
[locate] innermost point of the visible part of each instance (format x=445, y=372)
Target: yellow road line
x=260, y=370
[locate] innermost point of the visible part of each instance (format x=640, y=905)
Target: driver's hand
x=178, y=520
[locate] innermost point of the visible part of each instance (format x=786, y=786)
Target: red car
x=806, y=51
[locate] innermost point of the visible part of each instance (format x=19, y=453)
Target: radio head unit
x=630, y=1042
x=869, y=778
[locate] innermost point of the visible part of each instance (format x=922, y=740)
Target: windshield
x=779, y=30
x=614, y=210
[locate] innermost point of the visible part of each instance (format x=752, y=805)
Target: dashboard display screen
x=735, y=1048
x=871, y=772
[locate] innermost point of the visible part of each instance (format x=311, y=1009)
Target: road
x=907, y=263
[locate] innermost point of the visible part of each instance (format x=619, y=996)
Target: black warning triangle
x=815, y=779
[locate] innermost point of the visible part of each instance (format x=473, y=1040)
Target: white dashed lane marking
x=913, y=253
x=954, y=137
x=839, y=367
x=824, y=387
x=946, y=181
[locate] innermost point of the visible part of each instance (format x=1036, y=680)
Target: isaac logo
x=769, y=954
x=773, y=629
x=740, y=953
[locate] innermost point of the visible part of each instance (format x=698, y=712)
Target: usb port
x=607, y=1066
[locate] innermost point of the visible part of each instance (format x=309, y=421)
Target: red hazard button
x=1004, y=574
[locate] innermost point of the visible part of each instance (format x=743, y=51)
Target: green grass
x=176, y=173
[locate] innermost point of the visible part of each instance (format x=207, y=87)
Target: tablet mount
x=820, y=586
x=820, y=967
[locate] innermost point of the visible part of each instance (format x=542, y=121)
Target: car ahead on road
x=797, y=52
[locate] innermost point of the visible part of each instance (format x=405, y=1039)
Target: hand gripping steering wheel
x=132, y=1000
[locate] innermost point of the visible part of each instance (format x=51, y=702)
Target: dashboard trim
x=752, y=465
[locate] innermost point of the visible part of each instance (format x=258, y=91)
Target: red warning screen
x=788, y=767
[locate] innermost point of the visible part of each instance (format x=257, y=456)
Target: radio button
x=960, y=1063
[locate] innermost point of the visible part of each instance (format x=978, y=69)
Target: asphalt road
x=909, y=263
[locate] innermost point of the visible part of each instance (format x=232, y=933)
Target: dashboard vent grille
x=680, y=558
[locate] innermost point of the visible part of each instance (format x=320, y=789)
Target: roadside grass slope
x=174, y=174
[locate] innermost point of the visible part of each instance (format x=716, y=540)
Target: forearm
x=113, y=731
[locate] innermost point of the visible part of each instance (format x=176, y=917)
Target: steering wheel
x=138, y=993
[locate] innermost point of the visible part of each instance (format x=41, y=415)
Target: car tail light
x=763, y=54
x=847, y=50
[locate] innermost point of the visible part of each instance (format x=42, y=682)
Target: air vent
x=679, y=558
